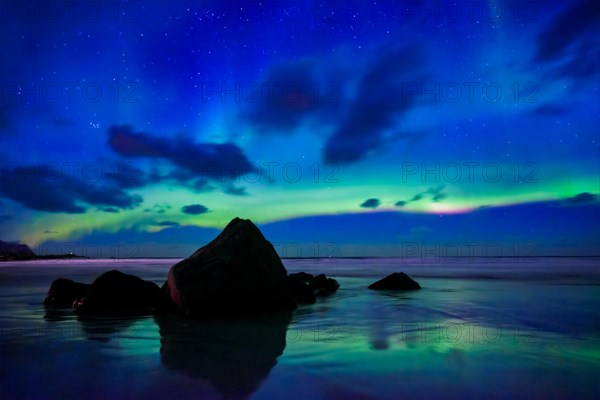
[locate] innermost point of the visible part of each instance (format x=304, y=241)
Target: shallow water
x=498, y=328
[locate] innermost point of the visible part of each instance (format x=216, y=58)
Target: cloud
x=572, y=40
x=566, y=29
x=158, y=208
x=194, y=209
x=370, y=203
x=434, y=192
x=50, y=232
x=5, y=217
x=383, y=93
x=166, y=223
x=289, y=94
x=40, y=188
x=400, y=203
x=439, y=197
x=417, y=197
x=127, y=176
x=436, y=189
x=550, y=109
x=235, y=190
x=582, y=198
x=201, y=161
x=110, y=210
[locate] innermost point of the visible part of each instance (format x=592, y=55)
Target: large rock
x=239, y=272
x=395, y=281
x=115, y=291
x=63, y=293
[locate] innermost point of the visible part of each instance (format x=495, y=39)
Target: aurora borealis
x=358, y=126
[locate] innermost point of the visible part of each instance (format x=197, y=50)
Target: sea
x=479, y=328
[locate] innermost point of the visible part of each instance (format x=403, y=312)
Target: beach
x=520, y=328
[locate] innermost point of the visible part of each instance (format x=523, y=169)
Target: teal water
x=478, y=329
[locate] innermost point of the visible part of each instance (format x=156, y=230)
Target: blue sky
x=354, y=126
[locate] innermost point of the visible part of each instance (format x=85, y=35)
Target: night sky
x=343, y=128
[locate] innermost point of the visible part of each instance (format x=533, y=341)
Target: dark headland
x=11, y=251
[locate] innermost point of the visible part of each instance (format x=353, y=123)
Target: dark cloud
x=110, y=210
x=50, y=232
x=178, y=176
x=582, y=198
x=400, y=203
x=127, y=176
x=370, y=203
x=290, y=93
x=550, y=110
x=439, y=197
x=572, y=38
x=434, y=192
x=417, y=197
x=194, y=209
x=158, y=208
x=383, y=92
x=5, y=217
x=218, y=161
x=567, y=28
x=166, y=223
x=43, y=189
x=235, y=190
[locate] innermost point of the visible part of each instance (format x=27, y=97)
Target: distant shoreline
x=76, y=257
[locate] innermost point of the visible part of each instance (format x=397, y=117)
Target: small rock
x=302, y=276
x=116, y=291
x=302, y=293
x=63, y=293
x=323, y=286
x=395, y=281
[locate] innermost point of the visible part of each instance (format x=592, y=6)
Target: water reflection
x=103, y=328
x=234, y=355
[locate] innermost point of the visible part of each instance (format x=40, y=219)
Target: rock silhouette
x=115, y=291
x=395, y=281
x=239, y=272
x=301, y=292
x=63, y=292
x=323, y=286
x=302, y=276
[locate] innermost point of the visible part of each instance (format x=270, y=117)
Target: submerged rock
x=115, y=291
x=302, y=293
x=395, y=281
x=323, y=286
x=63, y=292
x=239, y=272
